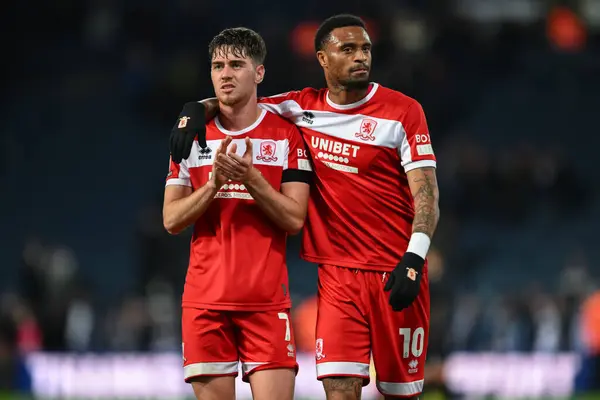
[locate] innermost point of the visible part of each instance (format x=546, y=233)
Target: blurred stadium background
x=90, y=282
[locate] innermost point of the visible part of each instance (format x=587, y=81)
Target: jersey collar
x=245, y=130
x=374, y=87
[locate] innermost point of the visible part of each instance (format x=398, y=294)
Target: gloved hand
x=404, y=281
x=191, y=123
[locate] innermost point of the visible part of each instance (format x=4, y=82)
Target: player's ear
x=322, y=57
x=259, y=74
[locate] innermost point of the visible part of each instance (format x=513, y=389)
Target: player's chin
x=228, y=99
x=357, y=82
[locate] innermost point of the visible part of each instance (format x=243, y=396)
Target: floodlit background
x=90, y=282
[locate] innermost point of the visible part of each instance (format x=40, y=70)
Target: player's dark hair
x=331, y=23
x=241, y=42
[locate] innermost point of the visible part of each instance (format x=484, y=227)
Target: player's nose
x=226, y=72
x=360, y=56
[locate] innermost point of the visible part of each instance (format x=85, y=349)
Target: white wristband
x=419, y=244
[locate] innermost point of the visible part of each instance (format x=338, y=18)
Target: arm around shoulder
x=211, y=107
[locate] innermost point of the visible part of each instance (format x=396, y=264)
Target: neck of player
x=342, y=95
x=239, y=116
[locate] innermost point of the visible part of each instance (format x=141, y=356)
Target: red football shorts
x=214, y=341
x=355, y=321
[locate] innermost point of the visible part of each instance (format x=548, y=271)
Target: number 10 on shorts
x=412, y=343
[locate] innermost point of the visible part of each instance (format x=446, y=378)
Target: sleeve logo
x=424, y=150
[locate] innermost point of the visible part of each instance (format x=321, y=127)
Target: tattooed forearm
x=343, y=388
x=423, y=185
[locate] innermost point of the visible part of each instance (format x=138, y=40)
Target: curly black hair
x=241, y=42
x=331, y=23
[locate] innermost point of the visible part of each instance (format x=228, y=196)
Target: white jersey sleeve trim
x=183, y=177
x=419, y=164
x=179, y=181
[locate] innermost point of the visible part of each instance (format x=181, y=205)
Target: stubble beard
x=351, y=85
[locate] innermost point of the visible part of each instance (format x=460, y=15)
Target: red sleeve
x=285, y=104
x=415, y=147
x=293, y=95
x=296, y=167
x=179, y=174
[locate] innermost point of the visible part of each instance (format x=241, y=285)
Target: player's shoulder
x=276, y=121
x=396, y=105
x=301, y=94
x=395, y=98
x=312, y=97
x=275, y=127
x=310, y=91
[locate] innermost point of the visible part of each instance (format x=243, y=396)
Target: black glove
x=191, y=123
x=404, y=281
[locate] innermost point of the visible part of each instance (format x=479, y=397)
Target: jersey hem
x=349, y=264
x=236, y=307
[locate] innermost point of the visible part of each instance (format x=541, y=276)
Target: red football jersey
x=237, y=255
x=361, y=210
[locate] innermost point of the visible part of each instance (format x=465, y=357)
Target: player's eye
x=217, y=66
x=347, y=49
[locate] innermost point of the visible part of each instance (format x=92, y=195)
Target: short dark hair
x=241, y=42
x=331, y=23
